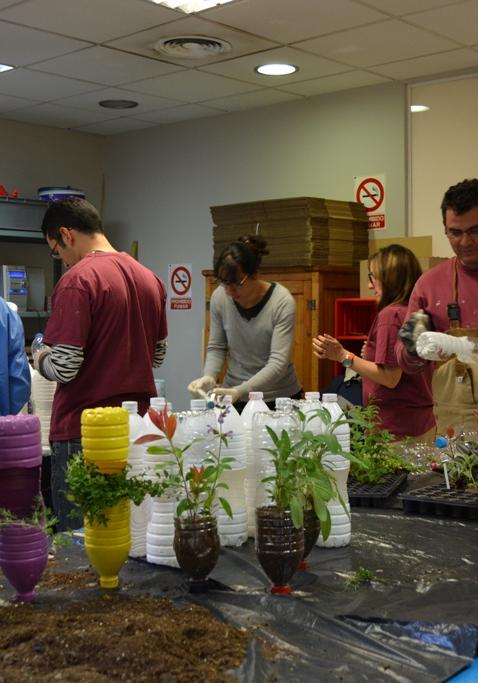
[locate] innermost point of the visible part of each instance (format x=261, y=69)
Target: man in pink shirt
x=448, y=294
x=106, y=331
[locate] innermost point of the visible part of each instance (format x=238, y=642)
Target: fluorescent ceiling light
x=189, y=6
x=276, y=69
x=418, y=107
x=118, y=104
x=6, y=67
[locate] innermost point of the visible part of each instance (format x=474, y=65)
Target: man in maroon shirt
x=106, y=332
x=448, y=293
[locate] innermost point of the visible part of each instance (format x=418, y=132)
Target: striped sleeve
x=160, y=352
x=62, y=364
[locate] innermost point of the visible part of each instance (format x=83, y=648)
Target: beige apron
x=455, y=384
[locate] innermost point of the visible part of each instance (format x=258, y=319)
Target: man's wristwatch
x=348, y=359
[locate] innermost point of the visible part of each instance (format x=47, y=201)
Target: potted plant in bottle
x=104, y=500
x=196, y=488
x=299, y=489
x=24, y=547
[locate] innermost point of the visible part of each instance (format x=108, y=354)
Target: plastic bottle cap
x=283, y=402
x=256, y=395
x=441, y=442
x=329, y=398
x=312, y=395
x=198, y=404
x=157, y=402
x=131, y=406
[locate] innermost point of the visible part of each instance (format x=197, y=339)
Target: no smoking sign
x=370, y=191
x=180, y=280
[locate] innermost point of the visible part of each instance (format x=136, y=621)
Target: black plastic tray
x=440, y=501
x=375, y=495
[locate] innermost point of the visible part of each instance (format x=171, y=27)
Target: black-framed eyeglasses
x=456, y=234
x=235, y=285
x=54, y=254
x=371, y=278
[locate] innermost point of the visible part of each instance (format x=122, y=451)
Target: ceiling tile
x=39, y=86
x=183, y=113
x=258, y=98
x=400, y=8
x=20, y=45
x=190, y=86
x=90, y=100
x=93, y=20
x=319, y=86
x=387, y=41
x=309, y=66
x=115, y=126
x=290, y=21
x=242, y=43
x=7, y=102
x=457, y=22
x=58, y=116
x=433, y=64
x=105, y=65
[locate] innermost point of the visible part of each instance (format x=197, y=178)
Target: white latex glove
x=233, y=392
x=202, y=385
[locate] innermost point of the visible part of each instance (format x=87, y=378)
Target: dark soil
x=113, y=638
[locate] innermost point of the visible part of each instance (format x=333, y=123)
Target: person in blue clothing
x=15, y=381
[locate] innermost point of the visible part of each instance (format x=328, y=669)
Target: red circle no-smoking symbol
x=370, y=193
x=180, y=280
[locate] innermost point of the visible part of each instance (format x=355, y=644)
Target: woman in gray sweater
x=252, y=324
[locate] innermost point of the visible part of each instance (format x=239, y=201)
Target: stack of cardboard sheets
x=300, y=231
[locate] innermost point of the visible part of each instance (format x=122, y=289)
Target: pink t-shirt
x=114, y=308
x=406, y=410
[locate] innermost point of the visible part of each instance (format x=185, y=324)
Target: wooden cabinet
x=314, y=290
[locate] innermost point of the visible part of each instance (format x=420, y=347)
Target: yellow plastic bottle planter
x=107, y=548
x=105, y=438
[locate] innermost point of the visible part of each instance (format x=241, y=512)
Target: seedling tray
x=375, y=495
x=442, y=502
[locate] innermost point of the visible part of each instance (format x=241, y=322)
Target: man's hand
x=411, y=330
x=233, y=392
x=39, y=351
x=201, y=385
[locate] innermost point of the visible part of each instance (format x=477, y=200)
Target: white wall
x=161, y=182
x=443, y=151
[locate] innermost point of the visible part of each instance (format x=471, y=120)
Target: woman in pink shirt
x=405, y=404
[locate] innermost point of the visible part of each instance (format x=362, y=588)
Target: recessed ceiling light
x=418, y=107
x=6, y=67
x=276, y=69
x=118, y=104
x=189, y=6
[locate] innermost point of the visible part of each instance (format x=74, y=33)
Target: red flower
x=450, y=432
x=164, y=422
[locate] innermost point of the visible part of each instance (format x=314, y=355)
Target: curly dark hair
x=244, y=255
x=461, y=197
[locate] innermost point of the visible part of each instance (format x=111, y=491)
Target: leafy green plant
x=301, y=479
x=196, y=488
x=93, y=491
x=461, y=459
x=376, y=456
x=361, y=576
x=41, y=517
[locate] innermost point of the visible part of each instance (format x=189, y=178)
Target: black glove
x=412, y=329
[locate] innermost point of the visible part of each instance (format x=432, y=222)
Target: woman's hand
x=325, y=346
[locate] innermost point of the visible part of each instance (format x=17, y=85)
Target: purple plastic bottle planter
x=23, y=567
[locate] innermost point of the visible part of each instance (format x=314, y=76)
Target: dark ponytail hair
x=245, y=254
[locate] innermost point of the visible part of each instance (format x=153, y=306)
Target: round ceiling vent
x=192, y=47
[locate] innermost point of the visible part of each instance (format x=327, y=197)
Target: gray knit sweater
x=258, y=350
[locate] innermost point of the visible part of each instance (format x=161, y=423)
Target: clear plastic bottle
x=310, y=407
x=139, y=514
x=233, y=532
x=198, y=404
x=339, y=466
x=254, y=405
